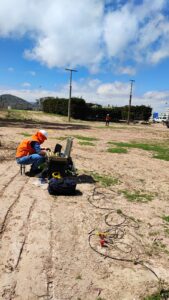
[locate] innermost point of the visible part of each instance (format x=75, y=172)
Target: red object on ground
x=102, y=242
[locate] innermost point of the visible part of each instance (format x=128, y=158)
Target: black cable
x=118, y=232
x=106, y=255
x=92, y=197
x=116, y=225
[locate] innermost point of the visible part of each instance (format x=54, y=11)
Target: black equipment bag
x=62, y=186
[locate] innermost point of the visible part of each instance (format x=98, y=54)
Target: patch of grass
x=167, y=231
x=25, y=134
x=163, y=246
x=165, y=218
x=79, y=277
x=105, y=180
x=138, y=196
x=17, y=114
x=120, y=144
x=166, y=251
x=154, y=233
x=159, y=295
x=154, y=297
x=85, y=138
x=164, y=155
x=158, y=244
x=147, y=147
x=160, y=151
x=111, y=127
x=60, y=138
x=117, y=150
x=86, y=144
x=142, y=180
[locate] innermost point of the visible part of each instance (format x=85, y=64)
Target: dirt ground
x=44, y=240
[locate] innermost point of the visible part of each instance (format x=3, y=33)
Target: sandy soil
x=44, y=247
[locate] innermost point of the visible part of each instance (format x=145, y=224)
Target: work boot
x=33, y=172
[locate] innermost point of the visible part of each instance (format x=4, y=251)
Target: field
x=50, y=245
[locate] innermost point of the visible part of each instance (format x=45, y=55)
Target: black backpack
x=62, y=186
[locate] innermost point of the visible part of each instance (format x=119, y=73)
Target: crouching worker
x=29, y=152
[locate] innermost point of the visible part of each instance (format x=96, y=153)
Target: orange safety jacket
x=25, y=147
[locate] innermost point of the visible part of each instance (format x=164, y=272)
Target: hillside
x=14, y=102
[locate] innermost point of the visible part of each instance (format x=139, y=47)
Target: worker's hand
x=48, y=149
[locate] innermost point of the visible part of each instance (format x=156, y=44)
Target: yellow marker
x=102, y=233
x=56, y=175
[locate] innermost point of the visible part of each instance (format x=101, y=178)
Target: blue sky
x=108, y=42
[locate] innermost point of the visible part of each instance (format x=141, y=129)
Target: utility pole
x=70, y=93
x=130, y=98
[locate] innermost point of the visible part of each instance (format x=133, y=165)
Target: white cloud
x=120, y=29
x=65, y=33
x=158, y=100
x=11, y=69
x=115, y=88
x=26, y=84
x=138, y=32
x=159, y=55
x=155, y=94
x=78, y=33
x=29, y=95
x=127, y=70
x=32, y=73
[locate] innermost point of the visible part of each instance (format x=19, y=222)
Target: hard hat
x=44, y=132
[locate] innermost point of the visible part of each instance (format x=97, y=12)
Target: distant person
x=107, y=119
x=29, y=151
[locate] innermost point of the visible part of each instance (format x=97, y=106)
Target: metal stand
x=22, y=169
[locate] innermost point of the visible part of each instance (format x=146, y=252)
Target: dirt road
x=44, y=248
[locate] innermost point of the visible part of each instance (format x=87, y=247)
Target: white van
x=160, y=119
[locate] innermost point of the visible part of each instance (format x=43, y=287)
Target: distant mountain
x=14, y=102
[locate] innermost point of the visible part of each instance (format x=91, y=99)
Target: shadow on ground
x=47, y=125
x=85, y=179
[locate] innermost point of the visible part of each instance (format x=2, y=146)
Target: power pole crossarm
x=70, y=93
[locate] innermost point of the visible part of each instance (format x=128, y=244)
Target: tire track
x=9, y=210
x=49, y=268
x=7, y=183
x=14, y=241
x=64, y=244
x=33, y=266
x=26, y=234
